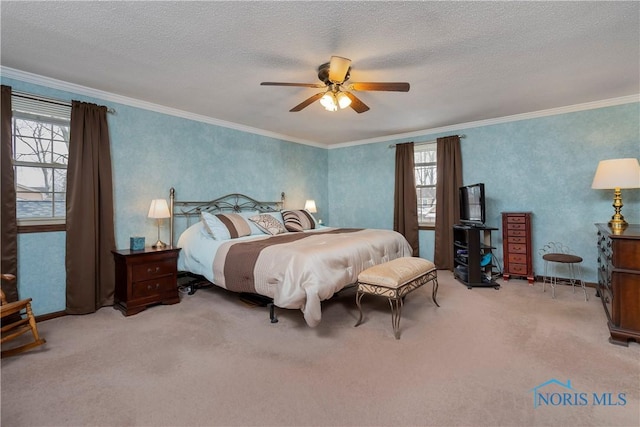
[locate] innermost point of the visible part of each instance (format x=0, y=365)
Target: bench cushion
x=563, y=258
x=397, y=272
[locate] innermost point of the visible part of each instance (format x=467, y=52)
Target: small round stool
x=559, y=254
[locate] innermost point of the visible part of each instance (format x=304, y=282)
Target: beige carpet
x=211, y=360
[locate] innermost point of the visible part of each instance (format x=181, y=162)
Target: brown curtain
x=9, y=225
x=449, y=180
x=90, y=229
x=405, y=212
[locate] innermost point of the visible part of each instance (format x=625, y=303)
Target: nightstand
x=144, y=278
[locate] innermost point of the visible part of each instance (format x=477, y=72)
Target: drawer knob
x=151, y=270
x=149, y=287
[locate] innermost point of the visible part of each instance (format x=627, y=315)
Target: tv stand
x=470, y=245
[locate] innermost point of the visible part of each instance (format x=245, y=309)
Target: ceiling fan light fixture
x=339, y=69
x=329, y=101
x=343, y=100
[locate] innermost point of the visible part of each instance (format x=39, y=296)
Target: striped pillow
x=225, y=226
x=298, y=220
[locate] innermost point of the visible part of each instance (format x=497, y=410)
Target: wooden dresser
x=516, y=245
x=619, y=281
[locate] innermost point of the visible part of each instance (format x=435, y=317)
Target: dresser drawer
x=152, y=269
x=516, y=219
x=515, y=226
x=153, y=287
x=518, y=240
x=518, y=269
x=517, y=259
x=516, y=233
x=517, y=248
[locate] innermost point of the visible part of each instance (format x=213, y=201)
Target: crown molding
x=132, y=102
x=111, y=97
x=506, y=119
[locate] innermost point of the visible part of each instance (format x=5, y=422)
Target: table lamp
x=159, y=210
x=616, y=174
x=310, y=205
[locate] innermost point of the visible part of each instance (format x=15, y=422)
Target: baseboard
x=49, y=316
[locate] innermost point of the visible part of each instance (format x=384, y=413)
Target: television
x=472, y=206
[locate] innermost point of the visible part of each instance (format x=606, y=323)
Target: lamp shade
x=329, y=102
x=159, y=209
x=617, y=173
x=343, y=100
x=310, y=205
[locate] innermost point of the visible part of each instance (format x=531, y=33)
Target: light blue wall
x=543, y=165
x=152, y=152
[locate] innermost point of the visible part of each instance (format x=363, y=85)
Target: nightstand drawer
x=153, y=287
x=150, y=270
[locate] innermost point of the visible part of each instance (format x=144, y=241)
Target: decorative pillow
x=298, y=220
x=225, y=226
x=268, y=224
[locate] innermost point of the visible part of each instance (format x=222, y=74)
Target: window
x=40, y=143
x=426, y=169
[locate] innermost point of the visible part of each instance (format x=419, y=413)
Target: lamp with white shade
x=617, y=174
x=310, y=205
x=159, y=210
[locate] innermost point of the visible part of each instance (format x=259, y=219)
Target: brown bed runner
x=241, y=258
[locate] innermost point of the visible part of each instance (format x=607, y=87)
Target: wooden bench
x=394, y=280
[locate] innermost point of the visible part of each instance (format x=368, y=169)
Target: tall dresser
x=619, y=281
x=516, y=245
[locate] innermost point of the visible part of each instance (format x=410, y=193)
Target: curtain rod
x=425, y=142
x=50, y=100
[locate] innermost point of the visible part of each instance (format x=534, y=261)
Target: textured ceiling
x=465, y=61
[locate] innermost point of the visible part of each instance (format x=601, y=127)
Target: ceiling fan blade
x=315, y=85
x=307, y=102
x=356, y=104
x=389, y=86
x=338, y=69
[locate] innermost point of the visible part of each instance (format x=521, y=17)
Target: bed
x=284, y=255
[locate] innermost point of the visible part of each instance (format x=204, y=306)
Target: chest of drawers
x=144, y=278
x=516, y=245
x=619, y=281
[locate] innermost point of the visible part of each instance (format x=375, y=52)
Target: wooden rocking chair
x=17, y=325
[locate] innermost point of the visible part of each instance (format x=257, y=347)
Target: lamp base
x=618, y=224
x=617, y=220
x=159, y=245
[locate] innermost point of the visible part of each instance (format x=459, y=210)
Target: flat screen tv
x=472, y=207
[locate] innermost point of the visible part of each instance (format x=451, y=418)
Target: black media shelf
x=470, y=245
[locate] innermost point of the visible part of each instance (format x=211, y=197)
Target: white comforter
x=298, y=274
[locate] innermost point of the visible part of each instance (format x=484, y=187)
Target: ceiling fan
x=337, y=93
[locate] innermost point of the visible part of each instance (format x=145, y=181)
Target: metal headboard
x=234, y=202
